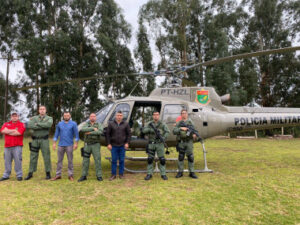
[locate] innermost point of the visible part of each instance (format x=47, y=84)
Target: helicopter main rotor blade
x=188, y=83
x=165, y=72
x=54, y=83
x=240, y=56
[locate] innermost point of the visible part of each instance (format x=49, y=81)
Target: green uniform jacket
x=181, y=135
x=94, y=136
x=40, y=125
x=162, y=127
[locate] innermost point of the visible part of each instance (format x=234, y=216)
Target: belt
x=43, y=137
x=92, y=143
x=183, y=141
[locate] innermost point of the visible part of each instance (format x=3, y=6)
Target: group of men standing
x=156, y=145
x=117, y=137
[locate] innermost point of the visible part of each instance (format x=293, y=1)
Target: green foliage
x=74, y=39
x=144, y=57
x=270, y=79
x=202, y=31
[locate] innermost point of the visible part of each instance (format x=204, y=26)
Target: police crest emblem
x=202, y=97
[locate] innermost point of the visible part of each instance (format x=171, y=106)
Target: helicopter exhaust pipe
x=225, y=98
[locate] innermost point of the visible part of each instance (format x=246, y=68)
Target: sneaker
x=4, y=178
x=19, y=178
x=99, y=178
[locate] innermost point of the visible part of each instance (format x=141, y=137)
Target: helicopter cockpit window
x=101, y=115
x=172, y=113
x=124, y=107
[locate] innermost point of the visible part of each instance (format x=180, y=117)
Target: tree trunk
x=37, y=93
x=200, y=60
x=6, y=86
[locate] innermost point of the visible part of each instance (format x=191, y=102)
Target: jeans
x=117, y=153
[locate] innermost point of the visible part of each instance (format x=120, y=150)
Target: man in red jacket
x=13, y=131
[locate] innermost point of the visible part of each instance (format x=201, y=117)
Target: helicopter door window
x=101, y=115
x=124, y=107
x=172, y=113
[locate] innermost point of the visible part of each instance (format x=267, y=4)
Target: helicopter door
x=141, y=114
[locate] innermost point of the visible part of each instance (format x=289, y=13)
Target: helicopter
x=204, y=106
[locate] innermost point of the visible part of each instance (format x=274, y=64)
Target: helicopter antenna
x=133, y=88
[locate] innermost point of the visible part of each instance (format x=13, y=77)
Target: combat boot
x=193, y=175
x=164, y=177
x=82, y=178
x=148, y=177
x=48, y=176
x=29, y=176
x=179, y=174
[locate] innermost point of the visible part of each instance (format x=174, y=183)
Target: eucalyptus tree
x=144, y=57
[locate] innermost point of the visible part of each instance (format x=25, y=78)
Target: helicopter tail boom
x=220, y=123
x=261, y=121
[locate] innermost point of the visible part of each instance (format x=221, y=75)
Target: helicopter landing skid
x=156, y=169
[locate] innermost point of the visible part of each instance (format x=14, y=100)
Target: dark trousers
x=117, y=153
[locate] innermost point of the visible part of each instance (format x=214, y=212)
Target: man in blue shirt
x=66, y=130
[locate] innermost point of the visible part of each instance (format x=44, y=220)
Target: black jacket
x=118, y=135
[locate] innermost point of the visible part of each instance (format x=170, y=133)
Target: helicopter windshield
x=101, y=115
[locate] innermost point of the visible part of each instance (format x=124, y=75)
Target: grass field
x=254, y=182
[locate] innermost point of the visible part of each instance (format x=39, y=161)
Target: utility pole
x=9, y=59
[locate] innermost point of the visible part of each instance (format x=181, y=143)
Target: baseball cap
x=14, y=113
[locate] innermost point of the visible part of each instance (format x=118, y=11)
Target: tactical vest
x=159, y=126
x=183, y=135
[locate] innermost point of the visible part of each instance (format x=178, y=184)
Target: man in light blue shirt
x=66, y=130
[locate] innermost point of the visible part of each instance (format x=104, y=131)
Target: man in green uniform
x=156, y=145
x=92, y=132
x=185, y=144
x=40, y=125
